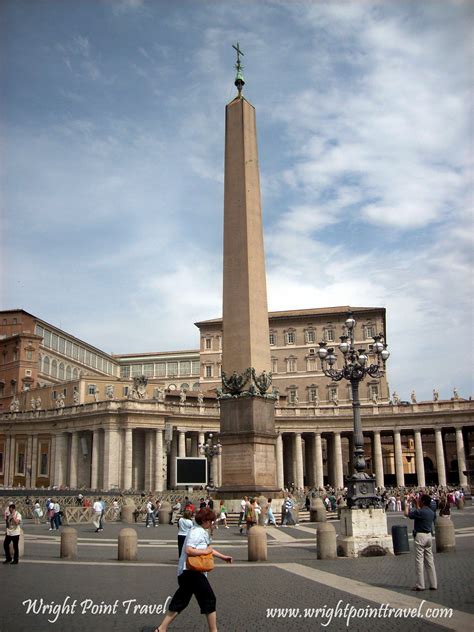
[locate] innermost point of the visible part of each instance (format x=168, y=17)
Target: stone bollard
x=21, y=545
x=263, y=503
x=340, y=506
x=127, y=544
x=317, y=511
x=164, y=513
x=326, y=548
x=68, y=549
x=126, y=515
x=257, y=544
x=444, y=534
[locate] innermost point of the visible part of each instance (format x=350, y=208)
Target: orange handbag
x=200, y=563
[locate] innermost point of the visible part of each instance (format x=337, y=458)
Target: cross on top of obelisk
x=239, y=79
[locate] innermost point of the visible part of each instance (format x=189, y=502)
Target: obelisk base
x=248, y=442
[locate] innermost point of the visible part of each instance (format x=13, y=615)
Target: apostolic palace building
x=74, y=416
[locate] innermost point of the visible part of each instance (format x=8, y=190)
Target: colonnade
x=144, y=458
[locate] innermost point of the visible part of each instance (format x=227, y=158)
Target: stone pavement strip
x=291, y=591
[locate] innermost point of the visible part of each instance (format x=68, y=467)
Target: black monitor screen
x=191, y=471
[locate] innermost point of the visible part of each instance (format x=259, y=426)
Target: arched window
x=54, y=368
x=46, y=365
x=61, y=371
x=185, y=387
x=196, y=386
x=75, y=374
x=68, y=372
x=40, y=362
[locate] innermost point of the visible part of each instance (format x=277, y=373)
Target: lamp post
x=361, y=486
x=210, y=449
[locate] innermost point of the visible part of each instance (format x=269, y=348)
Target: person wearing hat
x=13, y=523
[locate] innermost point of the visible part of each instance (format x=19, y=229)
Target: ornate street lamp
x=210, y=449
x=361, y=486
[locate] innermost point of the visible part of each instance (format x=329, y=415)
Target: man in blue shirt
x=424, y=518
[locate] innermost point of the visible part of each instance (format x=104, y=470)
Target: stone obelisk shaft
x=245, y=309
x=247, y=418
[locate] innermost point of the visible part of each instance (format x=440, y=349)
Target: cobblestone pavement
x=292, y=579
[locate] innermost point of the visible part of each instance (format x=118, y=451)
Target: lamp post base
x=363, y=533
x=361, y=492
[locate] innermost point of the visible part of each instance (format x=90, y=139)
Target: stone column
x=440, y=458
x=318, y=446
x=59, y=460
x=201, y=440
x=309, y=464
x=397, y=446
x=219, y=469
x=172, y=463
x=95, y=459
x=149, y=436
x=461, y=457
x=419, y=463
x=299, y=461
x=214, y=470
x=127, y=458
x=73, y=461
x=111, y=459
x=34, y=460
x=182, y=444
x=194, y=445
x=279, y=460
x=11, y=461
x=28, y=459
x=159, y=486
x=338, y=469
x=378, y=459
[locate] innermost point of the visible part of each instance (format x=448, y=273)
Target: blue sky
x=112, y=136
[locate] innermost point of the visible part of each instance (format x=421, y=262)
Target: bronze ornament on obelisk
x=247, y=400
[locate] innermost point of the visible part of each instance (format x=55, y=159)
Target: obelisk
x=247, y=404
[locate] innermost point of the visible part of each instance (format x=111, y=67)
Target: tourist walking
x=270, y=518
x=243, y=505
x=50, y=514
x=185, y=524
x=12, y=534
x=150, y=514
x=57, y=514
x=37, y=512
x=424, y=518
x=193, y=582
x=96, y=518
x=222, y=514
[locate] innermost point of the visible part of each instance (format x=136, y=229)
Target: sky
x=112, y=160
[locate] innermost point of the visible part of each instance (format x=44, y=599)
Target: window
x=208, y=343
x=172, y=369
x=54, y=395
x=125, y=371
x=68, y=372
x=75, y=352
x=196, y=386
x=137, y=370
x=185, y=368
x=374, y=390
x=15, y=355
x=148, y=370
x=272, y=338
x=29, y=355
x=291, y=365
x=2, y=389
x=311, y=364
x=160, y=369
x=274, y=365
x=54, y=368
x=369, y=331
x=61, y=345
x=290, y=337
x=2, y=450
x=88, y=358
x=310, y=336
x=195, y=368
x=293, y=395
x=61, y=371
x=47, y=338
x=75, y=374
x=332, y=393
x=312, y=393
x=46, y=365
x=329, y=335
x=93, y=360
x=28, y=372
x=82, y=354
x=91, y=389
x=14, y=321
x=125, y=391
x=39, y=331
x=185, y=387
x=208, y=370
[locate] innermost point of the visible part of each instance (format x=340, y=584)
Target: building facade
x=74, y=416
